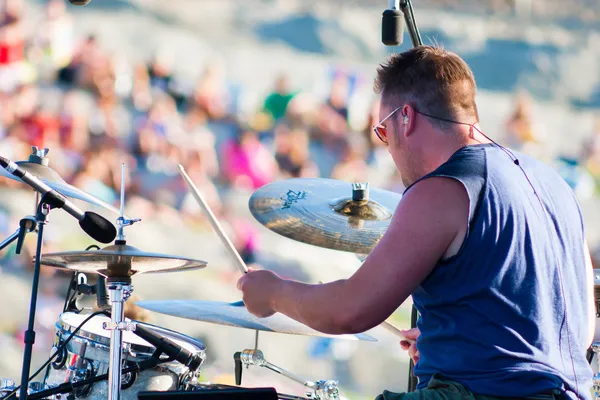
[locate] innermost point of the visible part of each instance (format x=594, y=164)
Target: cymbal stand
x=119, y=289
x=321, y=390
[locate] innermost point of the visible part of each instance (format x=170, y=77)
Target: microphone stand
x=41, y=219
x=415, y=37
x=409, y=19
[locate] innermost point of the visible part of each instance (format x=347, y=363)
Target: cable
x=558, y=265
x=57, y=352
x=515, y=160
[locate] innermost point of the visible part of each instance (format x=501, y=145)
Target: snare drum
x=88, y=353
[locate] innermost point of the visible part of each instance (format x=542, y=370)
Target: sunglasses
x=381, y=130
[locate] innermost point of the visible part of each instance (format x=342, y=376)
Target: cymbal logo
x=293, y=197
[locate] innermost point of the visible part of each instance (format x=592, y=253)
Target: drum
x=6, y=386
x=88, y=353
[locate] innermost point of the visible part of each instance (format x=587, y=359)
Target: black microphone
x=96, y=226
x=79, y=2
x=392, y=25
x=102, y=298
x=170, y=348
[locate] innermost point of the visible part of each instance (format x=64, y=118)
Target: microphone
x=96, y=226
x=170, y=348
x=392, y=24
x=79, y=2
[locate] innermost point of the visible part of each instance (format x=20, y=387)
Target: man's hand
x=410, y=343
x=258, y=288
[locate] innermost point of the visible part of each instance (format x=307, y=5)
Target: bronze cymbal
x=325, y=212
x=119, y=261
x=236, y=315
x=54, y=180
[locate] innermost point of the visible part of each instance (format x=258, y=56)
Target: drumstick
x=214, y=222
x=233, y=252
x=395, y=331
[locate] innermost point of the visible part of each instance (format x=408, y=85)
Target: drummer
x=489, y=243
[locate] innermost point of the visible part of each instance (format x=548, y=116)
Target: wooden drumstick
x=214, y=222
x=395, y=331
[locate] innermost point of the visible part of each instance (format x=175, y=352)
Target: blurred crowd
x=95, y=111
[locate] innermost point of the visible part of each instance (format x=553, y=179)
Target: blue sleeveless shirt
x=493, y=317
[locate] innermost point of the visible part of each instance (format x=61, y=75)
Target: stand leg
x=30, y=333
x=412, y=380
x=596, y=379
x=10, y=239
x=118, y=293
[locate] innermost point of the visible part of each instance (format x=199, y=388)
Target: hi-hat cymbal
x=118, y=261
x=236, y=315
x=325, y=212
x=53, y=179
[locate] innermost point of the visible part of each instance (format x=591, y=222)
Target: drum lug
x=61, y=358
x=84, y=370
x=189, y=381
x=128, y=380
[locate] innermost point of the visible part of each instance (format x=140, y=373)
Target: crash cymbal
x=119, y=261
x=325, y=212
x=236, y=315
x=53, y=179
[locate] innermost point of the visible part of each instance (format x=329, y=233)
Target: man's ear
x=408, y=119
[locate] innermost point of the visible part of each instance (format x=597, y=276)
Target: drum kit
x=105, y=355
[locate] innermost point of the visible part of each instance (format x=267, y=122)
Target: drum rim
x=64, y=327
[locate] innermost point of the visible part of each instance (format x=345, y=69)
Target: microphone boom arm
x=411, y=25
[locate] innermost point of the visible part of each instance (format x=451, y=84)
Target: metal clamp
x=122, y=326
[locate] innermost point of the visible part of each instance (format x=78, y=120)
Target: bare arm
x=427, y=220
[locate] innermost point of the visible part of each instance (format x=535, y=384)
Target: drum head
x=94, y=331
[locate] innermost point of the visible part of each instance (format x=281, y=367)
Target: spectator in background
x=159, y=72
x=202, y=140
x=40, y=126
x=351, y=166
x=523, y=133
x=211, y=93
x=86, y=59
x=292, y=153
x=54, y=37
x=141, y=91
x=247, y=163
x=197, y=170
x=95, y=178
x=12, y=44
x=277, y=102
x=73, y=123
x=590, y=156
x=338, y=97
